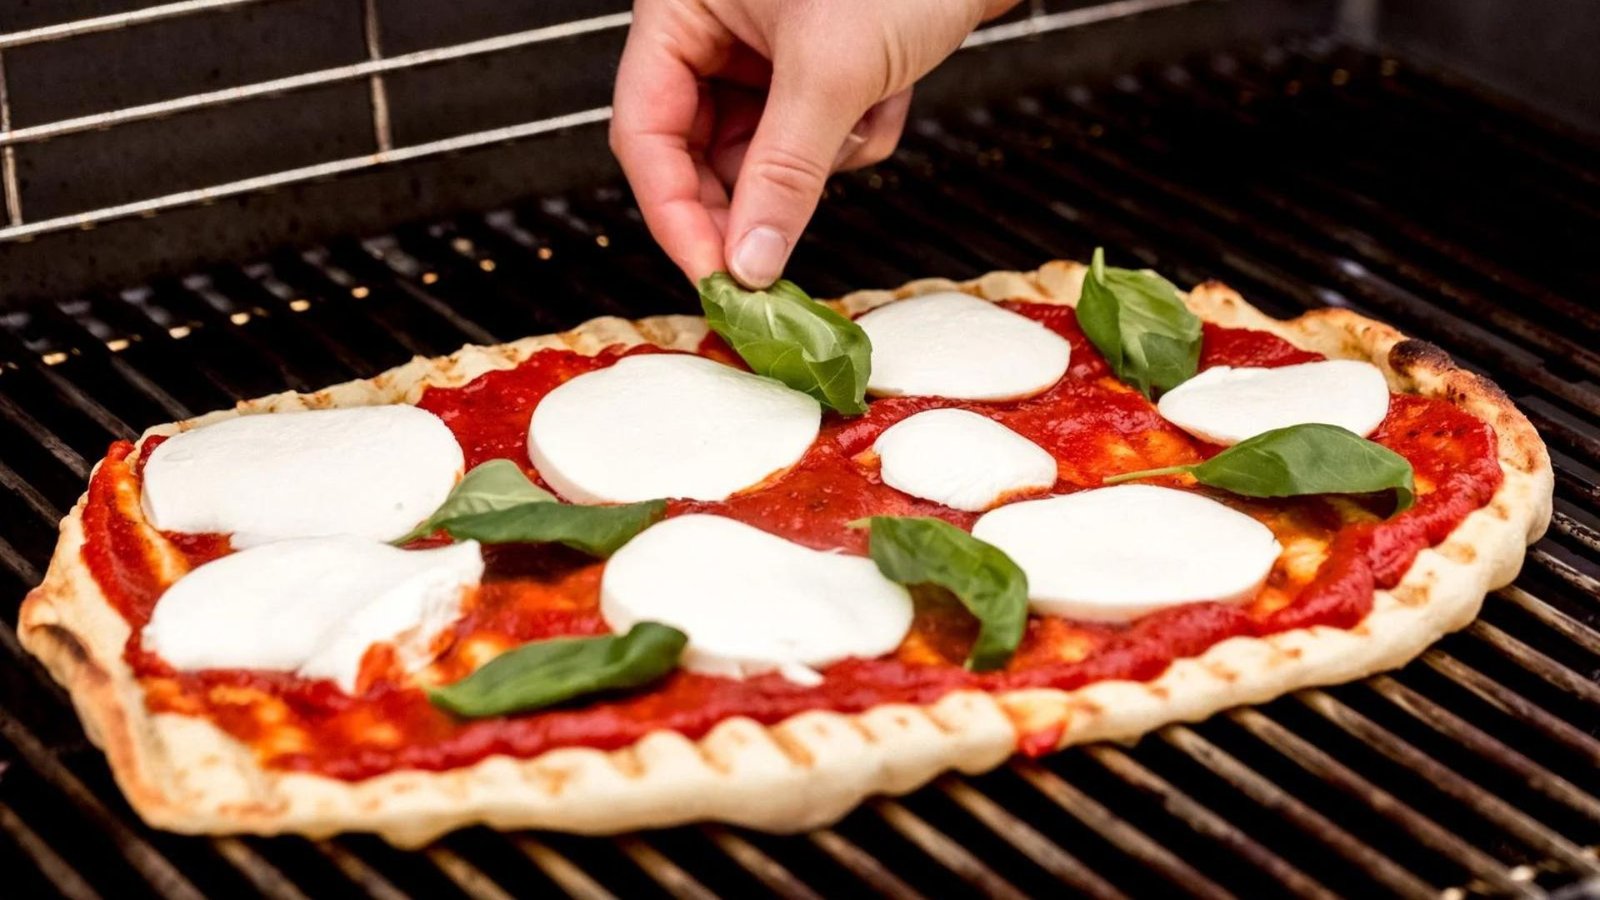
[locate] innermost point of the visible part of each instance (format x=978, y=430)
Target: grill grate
x=1303, y=175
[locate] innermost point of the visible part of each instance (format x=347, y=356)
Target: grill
x=1302, y=171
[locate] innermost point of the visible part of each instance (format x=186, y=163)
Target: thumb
x=803, y=127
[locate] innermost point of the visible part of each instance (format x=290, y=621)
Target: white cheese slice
x=1114, y=554
x=369, y=471
x=1224, y=405
x=312, y=606
x=961, y=459
x=954, y=345
x=752, y=602
x=667, y=425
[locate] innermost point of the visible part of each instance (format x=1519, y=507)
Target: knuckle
x=793, y=174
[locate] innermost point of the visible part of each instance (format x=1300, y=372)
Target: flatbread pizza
x=651, y=572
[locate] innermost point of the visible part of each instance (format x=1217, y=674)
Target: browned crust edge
x=184, y=774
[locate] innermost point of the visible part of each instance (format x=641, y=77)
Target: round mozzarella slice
x=370, y=471
x=1225, y=405
x=961, y=459
x=312, y=606
x=954, y=345
x=1114, y=554
x=667, y=425
x=753, y=602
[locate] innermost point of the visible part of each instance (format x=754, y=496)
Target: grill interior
x=1303, y=174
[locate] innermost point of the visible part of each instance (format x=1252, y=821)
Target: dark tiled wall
x=210, y=51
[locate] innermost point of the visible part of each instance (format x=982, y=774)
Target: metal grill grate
x=1303, y=175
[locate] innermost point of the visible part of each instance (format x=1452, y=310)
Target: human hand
x=729, y=115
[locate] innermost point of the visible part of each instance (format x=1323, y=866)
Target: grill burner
x=1303, y=175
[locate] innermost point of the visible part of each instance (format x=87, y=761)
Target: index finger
x=652, y=126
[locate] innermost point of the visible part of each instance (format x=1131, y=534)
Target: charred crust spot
x=1411, y=354
x=1159, y=692
x=1458, y=552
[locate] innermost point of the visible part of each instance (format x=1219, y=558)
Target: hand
x=729, y=115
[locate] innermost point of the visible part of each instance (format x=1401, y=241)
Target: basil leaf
x=1298, y=460
x=595, y=530
x=542, y=673
x=783, y=334
x=496, y=484
x=496, y=503
x=918, y=550
x=1139, y=323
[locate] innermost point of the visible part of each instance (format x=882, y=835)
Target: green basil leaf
x=1139, y=323
x=496, y=503
x=496, y=484
x=542, y=673
x=1299, y=460
x=783, y=334
x=595, y=530
x=918, y=550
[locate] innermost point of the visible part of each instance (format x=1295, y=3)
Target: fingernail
x=852, y=143
x=759, y=258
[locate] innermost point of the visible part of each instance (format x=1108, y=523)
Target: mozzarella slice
x=950, y=344
x=370, y=471
x=1225, y=405
x=1114, y=554
x=961, y=459
x=312, y=606
x=753, y=602
x=667, y=425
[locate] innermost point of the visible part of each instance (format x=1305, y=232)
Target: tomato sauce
x=1337, y=551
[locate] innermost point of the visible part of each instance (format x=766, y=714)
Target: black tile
x=147, y=159
x=20, y=15
x=98, y=72
x=407, y=25
x=503, y=88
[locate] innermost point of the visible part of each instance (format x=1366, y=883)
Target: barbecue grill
x=201, y=201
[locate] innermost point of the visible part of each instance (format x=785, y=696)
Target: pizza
x=651, y=572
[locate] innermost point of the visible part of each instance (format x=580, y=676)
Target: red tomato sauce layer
x=1337, y=551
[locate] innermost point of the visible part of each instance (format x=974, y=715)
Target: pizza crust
x=184, y=774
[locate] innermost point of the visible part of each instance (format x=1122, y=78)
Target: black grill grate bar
x=945, y=851
x=155, y=868
x=62, y=876
x=1513, y=704
x=1536, y=662
x=767, y=870
x=864, y=865
x=17, y=564
x=356, y=869
x=69, y=458
x=18, y=486
x=561, y=870
x=1046, y=853
x=1569, y=627
x=263, y=875
x=1118, y=832
x=467, y=877
x=1264, y=792
x=1486, y=746
x=1208, y=823
x=1336, y=773
x=98, y=351
x=1482, y=802
x=671, y=876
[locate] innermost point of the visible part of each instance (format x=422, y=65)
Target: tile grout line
x=8, y=156
x=382, y=132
